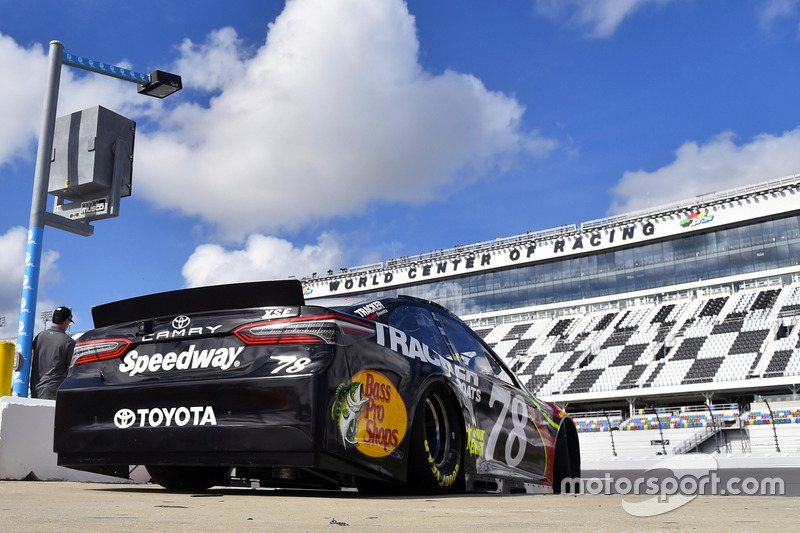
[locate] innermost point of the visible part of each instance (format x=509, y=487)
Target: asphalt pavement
x=36, y=506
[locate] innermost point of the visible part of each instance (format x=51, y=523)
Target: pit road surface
x=36, y=506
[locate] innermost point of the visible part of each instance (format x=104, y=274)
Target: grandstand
x=674, y=321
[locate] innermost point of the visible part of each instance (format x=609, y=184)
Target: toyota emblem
x=124, y=418
x=180, y=322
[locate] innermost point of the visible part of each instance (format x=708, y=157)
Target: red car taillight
x=319, y=329
x=91, y=351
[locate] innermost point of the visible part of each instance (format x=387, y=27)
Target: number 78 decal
x=290, y=364
x=519, y=417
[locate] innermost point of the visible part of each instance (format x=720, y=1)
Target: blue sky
x=317, y=134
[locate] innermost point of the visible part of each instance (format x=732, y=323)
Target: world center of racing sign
x=530, y=249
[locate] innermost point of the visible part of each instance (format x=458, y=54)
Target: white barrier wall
x=26, y=443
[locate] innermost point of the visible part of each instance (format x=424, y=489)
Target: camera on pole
x=91, y=168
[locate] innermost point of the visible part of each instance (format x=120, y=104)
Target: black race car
x=247, y=382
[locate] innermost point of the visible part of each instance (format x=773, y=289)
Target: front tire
x=188, y=478
x=437, y=443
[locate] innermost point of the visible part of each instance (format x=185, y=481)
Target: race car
x=248, y=383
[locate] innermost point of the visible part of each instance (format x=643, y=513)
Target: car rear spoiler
x=200, y=299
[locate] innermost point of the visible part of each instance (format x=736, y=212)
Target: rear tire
x=188, y=478
x=437, y=443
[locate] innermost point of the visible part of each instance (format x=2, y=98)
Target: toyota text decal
x=166, y=416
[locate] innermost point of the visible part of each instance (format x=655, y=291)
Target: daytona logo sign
x=192, y=359
x=166, y=416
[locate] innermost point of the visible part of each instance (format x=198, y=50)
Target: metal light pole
x=33, y=256
x=158, y=84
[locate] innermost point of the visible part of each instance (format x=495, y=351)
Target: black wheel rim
x=437, y=429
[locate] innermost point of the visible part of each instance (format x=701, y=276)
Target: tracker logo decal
x=375, y=308
x=192, y=359
x=166, y=416
x=467, y=380
x=400, y=342
x=370, y=414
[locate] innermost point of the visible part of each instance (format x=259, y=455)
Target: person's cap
x=61, y=314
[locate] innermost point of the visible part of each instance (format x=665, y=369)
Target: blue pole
x=33, y=257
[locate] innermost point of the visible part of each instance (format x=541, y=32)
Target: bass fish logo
x=348, y=405
x=370, y=414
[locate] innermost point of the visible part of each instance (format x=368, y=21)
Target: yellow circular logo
x=382, y=422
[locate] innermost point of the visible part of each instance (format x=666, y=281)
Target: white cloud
x=717, y=165
x=12, y=263
x=772, y=10
x=262, y=258
x=21, y=106
x=601, y=17
x=213, y=65
x=332, y=113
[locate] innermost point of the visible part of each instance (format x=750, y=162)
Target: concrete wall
x=26, y=444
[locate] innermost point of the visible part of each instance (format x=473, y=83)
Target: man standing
x=52, y=353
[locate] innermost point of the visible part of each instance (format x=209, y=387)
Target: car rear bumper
x=247, y=421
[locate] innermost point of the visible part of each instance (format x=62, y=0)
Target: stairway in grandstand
x=718, y=337
x=756, y=429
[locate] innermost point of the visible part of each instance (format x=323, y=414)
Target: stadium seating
x=653, y=432
x=722, y=336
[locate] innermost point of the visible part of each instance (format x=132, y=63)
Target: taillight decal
x=317, y=329
x=98, y=350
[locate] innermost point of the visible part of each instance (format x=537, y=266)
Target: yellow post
x=6, y=367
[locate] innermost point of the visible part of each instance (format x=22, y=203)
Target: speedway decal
x=370, y=414
x=192, y=359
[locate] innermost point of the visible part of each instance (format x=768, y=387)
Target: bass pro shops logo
x=166, y=416
x=370, y=414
